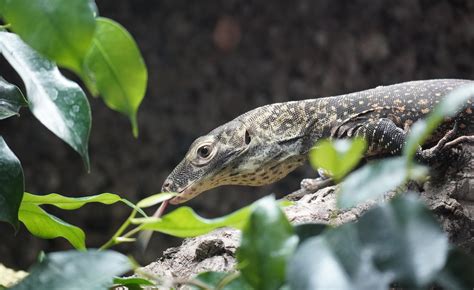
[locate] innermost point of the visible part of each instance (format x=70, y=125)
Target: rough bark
x=449, y=193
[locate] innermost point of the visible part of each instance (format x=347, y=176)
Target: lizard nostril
x=166, y=186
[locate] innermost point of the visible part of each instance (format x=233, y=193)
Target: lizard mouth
x=185, y=194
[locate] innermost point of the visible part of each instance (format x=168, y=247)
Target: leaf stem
x=227, y=279
x=112, y=241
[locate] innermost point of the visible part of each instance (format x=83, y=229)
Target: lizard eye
x=247, y=138
x=204, y=151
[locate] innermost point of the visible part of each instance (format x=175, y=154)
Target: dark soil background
x=210, y=61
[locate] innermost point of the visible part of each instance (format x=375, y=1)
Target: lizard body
x=265, y=144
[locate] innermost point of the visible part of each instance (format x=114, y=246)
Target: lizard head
x=231, y=154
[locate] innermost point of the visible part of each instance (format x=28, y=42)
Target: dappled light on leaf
x=58, y=103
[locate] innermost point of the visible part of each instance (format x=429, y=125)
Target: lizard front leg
x=382, y=136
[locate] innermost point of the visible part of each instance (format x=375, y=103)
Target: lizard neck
x=292, y=127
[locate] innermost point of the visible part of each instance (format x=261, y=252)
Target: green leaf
x=372, y=181
x=222, y=281
x=61, y=30
x=11, y=185
x=390, y=243
x=76, y=270
x=114, y=64
x=458, y=273
x=448, y=107
x=309, y=230
x=268, y=240
x=11, y=99
x=183, y=222
x=338, y=157
x=57, y=102
x=70, y=203
x=155, y=199
x=334, y=260
x=397, y=233
x=46, y=226
x=132, y=282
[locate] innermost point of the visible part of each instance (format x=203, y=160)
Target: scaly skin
x=265, y=144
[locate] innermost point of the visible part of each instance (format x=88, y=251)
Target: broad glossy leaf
x=46, y=226
x=221, y=280
x=114, y=64
x=391, y=242
x=184, y=222
x=268, y=240
x=11, y=99
x=70, y=203
x=61, y=30
x=448, y=107
x=11, y=185
x=458, y=273
x=404, y=235
x=372, y=181
x=338, y=157
x=335, y=260
x=57, y=102
x=91, y=270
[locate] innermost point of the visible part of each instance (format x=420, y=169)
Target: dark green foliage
x=268, y=240
x=67, y=33
x=133, y=283
x=387, y=244
x=76, y=270
x=222, y=281
x=11, y=185
x=11, y=99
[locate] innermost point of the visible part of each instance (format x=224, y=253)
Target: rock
x=449, y=193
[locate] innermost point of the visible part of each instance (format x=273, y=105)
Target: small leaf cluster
x=39, y=37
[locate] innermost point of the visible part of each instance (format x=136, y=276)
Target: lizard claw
x=309, y=185
x=313, y=185
x=428, y=155
x=447, y=142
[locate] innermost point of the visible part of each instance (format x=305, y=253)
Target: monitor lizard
x=266, y=143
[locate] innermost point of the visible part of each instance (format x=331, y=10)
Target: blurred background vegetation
x=209, y=61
